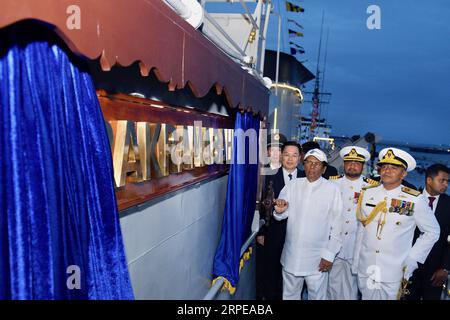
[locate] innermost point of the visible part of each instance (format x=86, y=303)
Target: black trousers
x=260, y=271
x=420, y=287
x=274, y=243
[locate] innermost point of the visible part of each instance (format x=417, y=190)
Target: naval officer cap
x=318, y=154
x=354, y=153
x=276, y=140
x=396, y=157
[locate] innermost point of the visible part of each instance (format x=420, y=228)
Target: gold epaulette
x=335, y=177
x=370, y=186
x=410, y=191
x=371, y=181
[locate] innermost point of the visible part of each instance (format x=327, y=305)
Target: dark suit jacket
x=439, y=256
x=278, y=183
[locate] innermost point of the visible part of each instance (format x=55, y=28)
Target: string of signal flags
x=292, y=33
x=293, y=8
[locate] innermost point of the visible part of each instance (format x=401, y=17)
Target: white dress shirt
x=314, y=225
x=286, y=175
x=435, y=202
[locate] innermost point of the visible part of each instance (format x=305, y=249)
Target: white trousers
x=342, y=284
x=293, y=285
x=372, y=290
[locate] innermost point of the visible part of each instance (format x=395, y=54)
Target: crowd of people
x=350, y=237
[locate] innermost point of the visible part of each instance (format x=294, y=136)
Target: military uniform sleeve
x=357, y=249
x=427, y=223
x=335, y=239
x=284, y=194
x=359, y=237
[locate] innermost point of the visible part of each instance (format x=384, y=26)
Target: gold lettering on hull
x=158, y=148
x=218, y=146
x=229, y=134
x=198, y=143
x=144, y=141
x=143, y=151
x=125, y=153
x=188, y=151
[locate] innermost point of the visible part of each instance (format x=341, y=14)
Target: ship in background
x=284, y=66
x=313, y=124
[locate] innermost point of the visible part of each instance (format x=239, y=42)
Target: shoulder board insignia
x=410, y=191
x=371, y=181
x=335, y=177
x=370, y=186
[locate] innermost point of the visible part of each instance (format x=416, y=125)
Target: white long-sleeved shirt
x=314, y=225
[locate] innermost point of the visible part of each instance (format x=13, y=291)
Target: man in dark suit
x=275, y=142
x=428, y=279
x=273, y=235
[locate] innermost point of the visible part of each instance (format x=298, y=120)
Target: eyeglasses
x=312, y=163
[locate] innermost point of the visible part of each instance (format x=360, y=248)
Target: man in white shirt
x=342, y=284
x=384, y=256
x=313, y=237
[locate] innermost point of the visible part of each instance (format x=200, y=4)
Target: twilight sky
x=395, y=81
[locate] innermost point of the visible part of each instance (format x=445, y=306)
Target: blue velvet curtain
x=240, y=203
x=58, y=206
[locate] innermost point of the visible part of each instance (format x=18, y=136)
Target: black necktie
x=290, y=176
x=430, y=203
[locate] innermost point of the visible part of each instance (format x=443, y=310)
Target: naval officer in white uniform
x=342, y=284
x=313, y=236
x=388, y=215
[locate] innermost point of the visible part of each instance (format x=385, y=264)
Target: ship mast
x=318, y=94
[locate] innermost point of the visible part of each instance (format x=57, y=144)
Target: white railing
x=215, y=288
